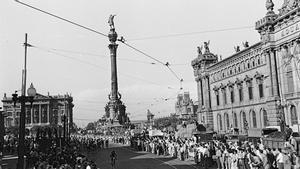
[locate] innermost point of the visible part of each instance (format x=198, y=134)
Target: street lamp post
x=22, y=100
x=2, y=130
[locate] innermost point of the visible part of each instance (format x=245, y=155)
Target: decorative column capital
x=112, y=35
x=113, y=47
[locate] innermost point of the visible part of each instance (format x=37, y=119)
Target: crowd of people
x=90, y=142
x=121, y=139
x=10, y=144
x=56, y=153
x=45, y=153
x=222, y=154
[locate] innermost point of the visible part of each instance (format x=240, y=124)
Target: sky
x=68, y=59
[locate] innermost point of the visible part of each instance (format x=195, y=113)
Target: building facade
x=258, y=86
x=184, y=106
x=45, y=111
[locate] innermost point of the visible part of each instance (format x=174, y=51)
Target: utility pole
x=21, y=148
x=2, y=131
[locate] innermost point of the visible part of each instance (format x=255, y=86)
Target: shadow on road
x=130, y=159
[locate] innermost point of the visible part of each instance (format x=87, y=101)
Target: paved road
x=129, y=159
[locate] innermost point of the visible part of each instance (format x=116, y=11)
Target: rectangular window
x=261, y=90
x=241, y=94
x=250, y=90
x=290, y=82
x=232, y=96
x=218, y=100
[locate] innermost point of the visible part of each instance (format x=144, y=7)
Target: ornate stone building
x=257, y=86
x=45, y=111
x=184, y=106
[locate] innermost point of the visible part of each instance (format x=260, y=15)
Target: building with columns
x=46, y=110
x=257, y=86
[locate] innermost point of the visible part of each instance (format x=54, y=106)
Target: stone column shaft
x=114, y=80
x=40, y=113
x=274, y=73
x=205, y=92
x=269, y=80
x=199, y=92
x=31, y=115
x=48, y=114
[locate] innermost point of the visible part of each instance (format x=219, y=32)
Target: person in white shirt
x=280, y=160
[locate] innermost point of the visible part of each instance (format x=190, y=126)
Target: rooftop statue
x=111, y=21
x=237, y=48
x=246, y=44
x=287, y=6
x=270, y=6
x=206, y=47
x=200, y=50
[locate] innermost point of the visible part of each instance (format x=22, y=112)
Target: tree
x=74, y=128
x=165, y=122
x=91, y=126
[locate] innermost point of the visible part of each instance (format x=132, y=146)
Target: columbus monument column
x=115, y=106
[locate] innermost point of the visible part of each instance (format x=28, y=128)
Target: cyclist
x=113, y=157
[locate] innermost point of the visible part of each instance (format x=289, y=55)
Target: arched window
x=220, y=122
x=235, y=68
x=254, y=123
x=294, y=116
x=226, y=119
x=235, y=120
x=265, y=117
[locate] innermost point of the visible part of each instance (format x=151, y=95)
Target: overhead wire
x=99, y=55
x=61, y=18
x=132, y=47
x=190, y=33
x=69, y=57
x=95, y=65
x=123, y=40
x=167, y=64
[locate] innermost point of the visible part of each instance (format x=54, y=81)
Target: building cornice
x=237, y=55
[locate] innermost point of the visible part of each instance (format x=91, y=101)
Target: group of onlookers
x=90, y=142
x=120, y=139
x=10, y=144
x=224, y=155
x=46, y=154
x=55, y=153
